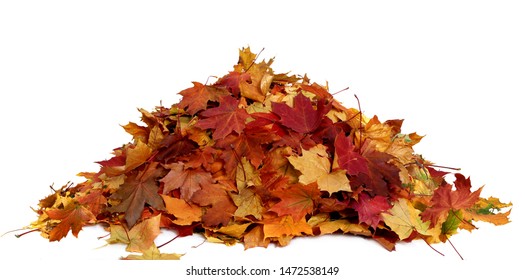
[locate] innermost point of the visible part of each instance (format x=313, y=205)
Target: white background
x=72, y=72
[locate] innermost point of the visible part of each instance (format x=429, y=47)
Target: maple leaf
x=174, y=146
x=451, y=224
x=187, y=180
x=250, y=143
x=370, y=209
x=381, y=172
x=153, y=253
x=196, y=98
x=221, y=208
x=486, y=209
x=318, y=90
x=139, y=238
x=138, y=189
x=284, y=227
x=404, y=219
x=224, y=119
x=314, y=165
x=297, y=200
x=139, y=133
x=445, y=199
x=347, y=158
x=72, y=217
x=95, y=201
x=185, y=213
x=126, y=159
x=232, y=81
x=247, y=201
x=326, y=225
x=255, y=238
x=334, y=182
x=302, y=117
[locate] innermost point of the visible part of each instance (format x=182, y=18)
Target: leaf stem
x=29, y=231
x=360, y=124
x=446, y=167
x=435, y=250
x=346, y=88
x=168, y=241
x=454, y=247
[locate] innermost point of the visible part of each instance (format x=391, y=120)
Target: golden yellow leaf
x=404, y=219
x=312, y=164
x=141, y=236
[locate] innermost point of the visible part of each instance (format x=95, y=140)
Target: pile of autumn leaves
x=260, y=157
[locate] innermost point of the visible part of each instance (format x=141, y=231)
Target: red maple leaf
x=224, y=119
x=302, y=118
x=347, y=158
x=381, y=173
x=446, y=199
x=173, y=146
x=369, y=208
x=139, y=188
x=232, y=80
x=250, y=143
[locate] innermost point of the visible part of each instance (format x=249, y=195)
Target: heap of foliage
x=259, y=157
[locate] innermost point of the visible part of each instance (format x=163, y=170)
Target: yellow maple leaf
x=153, y=253
x=312, y=164
x=315, y=166
x=404, y=219
x=139, y=238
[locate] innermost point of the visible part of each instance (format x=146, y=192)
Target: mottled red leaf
x=225, y=119
x=302, y=117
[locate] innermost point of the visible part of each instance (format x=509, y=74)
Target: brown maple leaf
x=188, y=180
x=139, y=188
x=220, y=208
